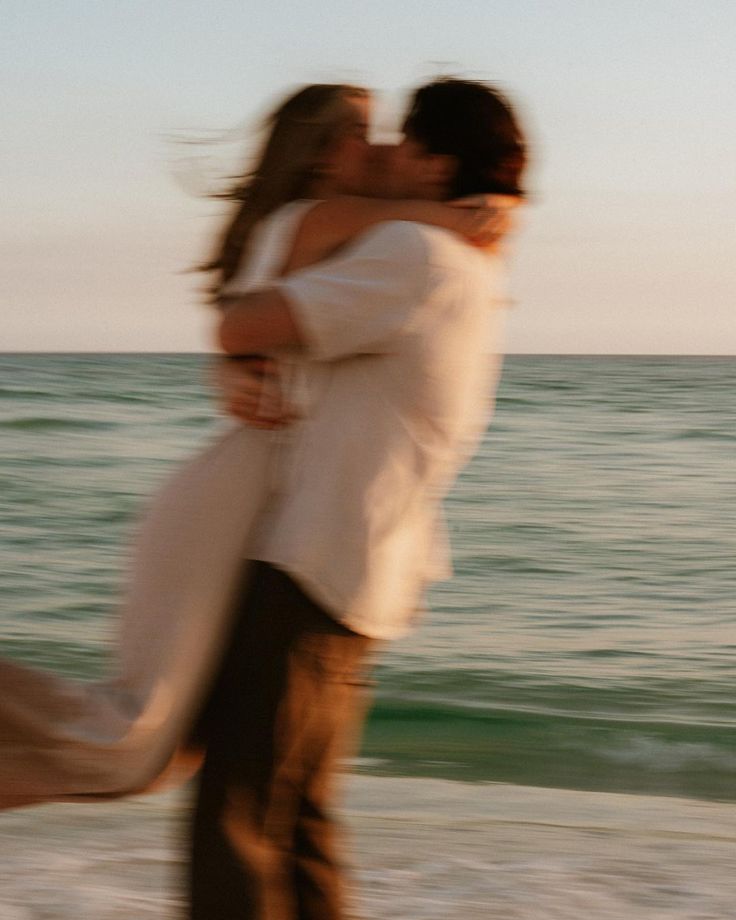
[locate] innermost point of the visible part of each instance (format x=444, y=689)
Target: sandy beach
x=422, y=849
x=522, y=853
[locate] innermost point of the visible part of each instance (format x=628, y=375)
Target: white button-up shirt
x=402, y=345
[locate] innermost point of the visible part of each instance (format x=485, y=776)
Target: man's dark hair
x=476, y=124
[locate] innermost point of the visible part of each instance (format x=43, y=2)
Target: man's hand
x=488, y=218
x=250, y=390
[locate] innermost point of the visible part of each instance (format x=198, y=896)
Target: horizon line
x=521, y=354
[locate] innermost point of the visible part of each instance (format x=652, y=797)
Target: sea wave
x=586, y=640
x=56, y=423
x=537, y=745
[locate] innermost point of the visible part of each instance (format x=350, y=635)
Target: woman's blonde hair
x=299, y=132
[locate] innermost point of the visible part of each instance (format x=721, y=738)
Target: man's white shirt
x=402, y=335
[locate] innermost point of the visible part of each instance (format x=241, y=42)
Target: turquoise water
x=587, y=640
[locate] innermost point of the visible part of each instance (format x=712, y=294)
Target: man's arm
x=257, y=322
x=354, y=303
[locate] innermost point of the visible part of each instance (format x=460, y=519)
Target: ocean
x=584, y=651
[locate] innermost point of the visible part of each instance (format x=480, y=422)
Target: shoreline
x=449, y=850
x=518, y=804
x=422, y=849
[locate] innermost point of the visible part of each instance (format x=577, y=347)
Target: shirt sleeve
x=360, y=301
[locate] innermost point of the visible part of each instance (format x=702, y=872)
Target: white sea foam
x=423, y=849
x=452, y=850
x=668, y=756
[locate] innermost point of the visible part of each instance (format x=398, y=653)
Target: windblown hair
x=473, y=122
x=298, y=133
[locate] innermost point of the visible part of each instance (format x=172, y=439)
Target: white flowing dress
x=62, y=739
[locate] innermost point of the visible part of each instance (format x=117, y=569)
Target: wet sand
x=422, y=849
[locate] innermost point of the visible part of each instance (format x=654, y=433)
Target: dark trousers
x=284, y=708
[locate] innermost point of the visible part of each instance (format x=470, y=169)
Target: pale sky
x=630, y=242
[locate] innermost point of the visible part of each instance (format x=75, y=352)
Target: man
x=400, y=326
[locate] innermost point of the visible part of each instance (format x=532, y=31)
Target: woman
x=61, y=739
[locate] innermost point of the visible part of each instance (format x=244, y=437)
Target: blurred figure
x=127, y=732
x=263, y=840
x=250, y=386
x=393, y=337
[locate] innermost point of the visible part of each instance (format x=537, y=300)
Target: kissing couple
x=358, y=293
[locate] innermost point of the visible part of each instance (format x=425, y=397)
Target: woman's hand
x=486, y=219
x=250, y=390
